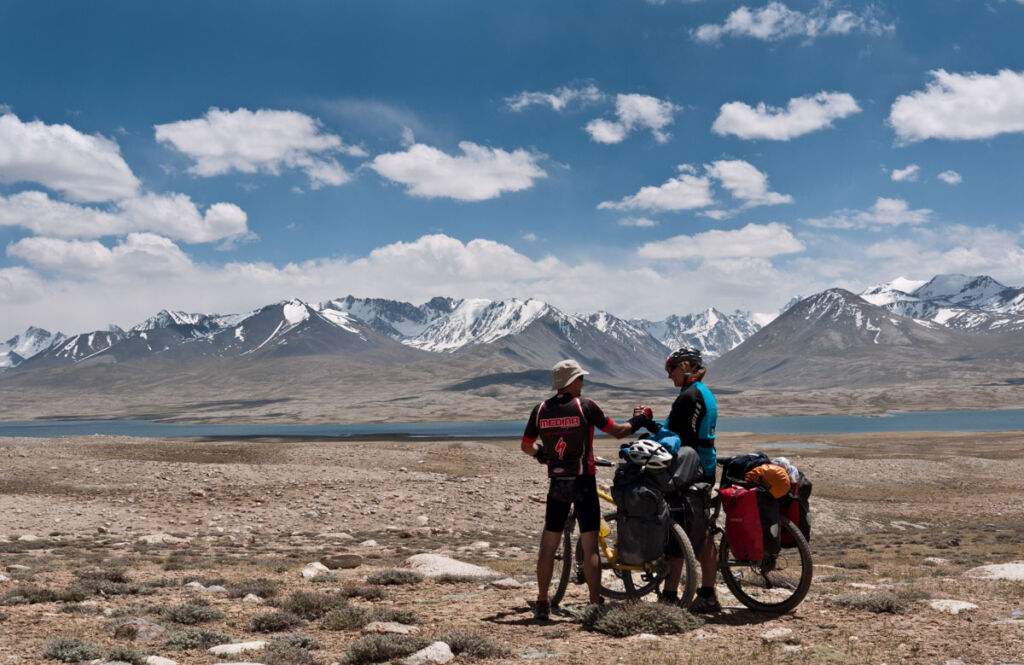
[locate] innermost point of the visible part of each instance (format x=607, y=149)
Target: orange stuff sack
x=772, y=477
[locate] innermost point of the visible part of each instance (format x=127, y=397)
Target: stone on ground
x=1001, y=571
x=315, y=569
x=952, y=606
x=507, y=583
x=433, y=565
x=140, y=630
x=777, y=635
x=235, y=649
x=392, y=627
x=162, y=539
x=342, y=561
x=438, y=652
x=160, y=660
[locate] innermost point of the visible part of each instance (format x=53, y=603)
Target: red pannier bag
x=743, y=523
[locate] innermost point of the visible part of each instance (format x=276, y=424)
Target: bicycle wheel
x=563, y=563
x=774, y=584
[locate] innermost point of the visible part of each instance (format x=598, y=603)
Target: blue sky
x=646, y=158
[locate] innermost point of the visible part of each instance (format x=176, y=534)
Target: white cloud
x=776, y=21
x=689, y=191
x=953, y=249
x=638, y=222
x=883, y=214
x=961, y=106
x=264, y=141
x=952, y=177
x=479, y=173
x=138, y=255
x=82, y=167
x=530, y=237
x=172, y=215
x=908, y=174
x=634, y=112
x=802, y=115
x=557, y=100
x=753, y=241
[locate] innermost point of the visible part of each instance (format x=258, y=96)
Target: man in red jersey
x=565, y=425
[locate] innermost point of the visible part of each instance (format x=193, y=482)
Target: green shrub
x=348, y=617
x=196, y=638
x=297, y=640
x=471, y=645
x=192, y=612
x=28, y=595
x=126, y=655
x=261, y=587
x=624, y=619
x=272, y=622
x=311, y=604
x=382, y=647
x=69, y=650
x=395, y=576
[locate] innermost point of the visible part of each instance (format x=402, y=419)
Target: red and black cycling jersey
x=565, y=425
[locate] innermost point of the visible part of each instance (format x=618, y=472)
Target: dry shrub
x=624, y=619
x=358, y=591
x=382, y=647
x=28, y=595
x=109, y=574
x=351, y=617
x=126, y=655
x=196, y=638
x=471, y=645
x=192, y=612
x=296, y=640
x=853, y=565
x=879, y=602
x=261, y=587
x=394, y=576
x=70, y=650
x=285, y=654
x=311, y=604
x=273, y=622
x=452, y=578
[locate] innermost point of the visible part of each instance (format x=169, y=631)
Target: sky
x=641, y=157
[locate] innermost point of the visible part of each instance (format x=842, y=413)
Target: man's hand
x=643, y=411
x=541, y=455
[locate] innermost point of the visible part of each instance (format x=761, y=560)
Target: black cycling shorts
x=584, y=498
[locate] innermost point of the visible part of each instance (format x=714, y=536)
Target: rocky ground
x=902, y=522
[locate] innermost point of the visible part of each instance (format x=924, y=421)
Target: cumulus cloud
x=802, y=115
x=883, y=214
x=775, y=21
x=953, y=249
x=690, y=191
x=478, y=174
x=262, y=141
x=952, y=177
x=634, y=112
x=81, y=167
x=753, y=241
x=961, y=106
x=172, y=215
x=558, y=100
x=908, y=174
x=687, y=191
x=137, y=255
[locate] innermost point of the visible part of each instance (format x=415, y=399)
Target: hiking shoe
x=542, y=610
x=705, y=605
x=668, y=597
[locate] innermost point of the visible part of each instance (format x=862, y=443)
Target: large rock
x=140, y=630
x=433, y=565
x=315, y=569
x=952, y=606
x=237, y=648
x=1002, y=571
x=438, y=652
x=342, y=561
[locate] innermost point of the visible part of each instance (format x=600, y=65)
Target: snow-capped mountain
x=75, y=349
x=711, y=331
x=31, y=342
x=396, y=319
x=955, y=301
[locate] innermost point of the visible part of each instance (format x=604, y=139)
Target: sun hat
x=565, y=372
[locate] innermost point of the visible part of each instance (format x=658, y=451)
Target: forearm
x=619, y=430
x=529, y=446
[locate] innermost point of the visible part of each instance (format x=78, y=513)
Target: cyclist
x=693, y=418
x=565, y=425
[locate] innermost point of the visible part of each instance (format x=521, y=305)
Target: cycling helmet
x=686, y=353
x=649, y=453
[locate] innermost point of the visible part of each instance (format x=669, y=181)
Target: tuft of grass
x=624, y=619
x=126, y=655
x=273, y=622
x=70, y=650
x=192, y=612
x=262, y=587
x=382, y=647
x=196, y=638
x=471, y=645
x=311, y=604
x=394, y=576
x=28, y=595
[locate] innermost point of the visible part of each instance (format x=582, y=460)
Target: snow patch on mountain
x=964, y=302
x=22, y=347
x=478, y=321
x=712, y=331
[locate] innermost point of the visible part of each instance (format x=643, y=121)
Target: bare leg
x=591, y=565
x=708, y=561
x=546, y=561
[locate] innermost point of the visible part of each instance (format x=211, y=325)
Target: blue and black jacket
x=694, y=417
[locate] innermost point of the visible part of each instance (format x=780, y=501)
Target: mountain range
x=905, y=328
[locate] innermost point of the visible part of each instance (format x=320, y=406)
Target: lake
x=927, y=421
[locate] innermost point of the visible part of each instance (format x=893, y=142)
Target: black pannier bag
x=736, y=467
x=771, y=526
x=796, y=507
x=690, y=509
x=642, y=516
x=685, y=470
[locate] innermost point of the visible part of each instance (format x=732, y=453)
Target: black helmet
x=687, y=353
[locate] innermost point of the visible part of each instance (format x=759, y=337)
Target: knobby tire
x=734, y=573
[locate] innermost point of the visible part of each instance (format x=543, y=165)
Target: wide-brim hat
x=565, y=372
